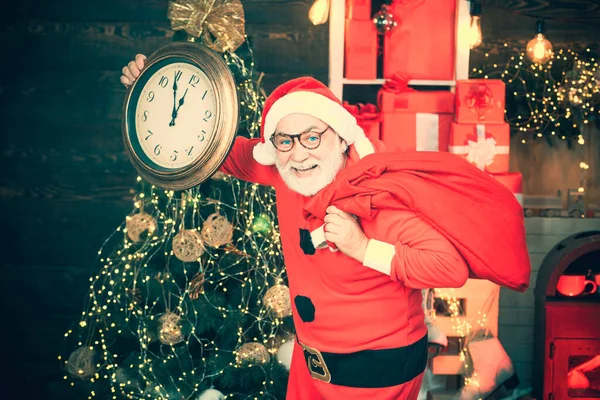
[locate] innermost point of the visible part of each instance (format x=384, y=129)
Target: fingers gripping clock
x=180, y=116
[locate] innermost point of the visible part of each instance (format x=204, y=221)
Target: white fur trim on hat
x=318, y=106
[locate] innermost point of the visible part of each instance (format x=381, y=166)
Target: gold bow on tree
x=219, y=22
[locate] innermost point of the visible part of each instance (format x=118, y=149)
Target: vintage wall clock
x=180, y=116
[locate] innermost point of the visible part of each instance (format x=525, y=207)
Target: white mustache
x=297, y=165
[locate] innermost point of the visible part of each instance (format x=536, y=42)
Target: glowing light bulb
x=319, y=12
x=475, y=37
x=474, y=32
x=539, y=49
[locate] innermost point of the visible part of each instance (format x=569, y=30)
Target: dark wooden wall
x=65, y=180
x=65, y=183
x=569, y=24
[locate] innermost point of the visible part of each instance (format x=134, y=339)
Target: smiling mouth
x=304, y=171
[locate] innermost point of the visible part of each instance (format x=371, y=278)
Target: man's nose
x=299, y=152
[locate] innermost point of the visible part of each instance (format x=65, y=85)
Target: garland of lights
x=149, y=292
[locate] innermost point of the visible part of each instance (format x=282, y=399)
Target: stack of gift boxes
x=468, y=121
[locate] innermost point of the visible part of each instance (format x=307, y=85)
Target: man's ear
x=344, y=146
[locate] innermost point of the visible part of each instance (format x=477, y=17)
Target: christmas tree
x=191, y=298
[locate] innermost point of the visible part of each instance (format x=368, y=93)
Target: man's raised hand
x=132, y=70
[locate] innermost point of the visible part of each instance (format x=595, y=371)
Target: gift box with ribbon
x=513, y=181
x=415, y=120
x=358, y=9
x=422, y=45
x=486, y=146
x=480, y=101
x=368, y=118
x=360, y=49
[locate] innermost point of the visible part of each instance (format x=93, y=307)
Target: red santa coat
x=353, y=308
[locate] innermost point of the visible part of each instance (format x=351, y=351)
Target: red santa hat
x=306, y=95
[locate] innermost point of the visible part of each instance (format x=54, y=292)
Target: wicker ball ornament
x=170, y=329
x=277, y=301
x=252, y=353
x=217, y=230
x=81, y=362
x=138, y=224
x=188, y=245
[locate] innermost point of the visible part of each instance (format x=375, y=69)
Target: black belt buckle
x=316, y=364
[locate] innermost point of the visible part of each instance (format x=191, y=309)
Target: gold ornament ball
x=188, y=245
x=139, y=223
x=217, y=230
x=81, y=362
x=170, y=329
x=252, y=353
x=277, y=301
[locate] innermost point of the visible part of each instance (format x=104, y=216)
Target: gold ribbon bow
x=219, y=22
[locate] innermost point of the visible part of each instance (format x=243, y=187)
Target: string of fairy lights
x=558, y=94
x=150, y=287
x=557, y=91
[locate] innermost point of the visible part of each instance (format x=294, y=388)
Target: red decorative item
x=513, y=181
x=360, y=50
x=480, y=101
x=414, y=120
x=368, y=118
x=358, y=9
x=575, y=285
x=423, y=43
x=485, y=146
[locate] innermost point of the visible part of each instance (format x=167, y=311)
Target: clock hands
x=176, y=111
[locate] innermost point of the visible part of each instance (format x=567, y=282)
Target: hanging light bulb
x=319, y=12
x=475, y=36
x=539, y=49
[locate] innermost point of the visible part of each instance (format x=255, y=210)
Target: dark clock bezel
x=220, y=139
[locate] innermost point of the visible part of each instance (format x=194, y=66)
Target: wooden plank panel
x=512, y=316
x=573, y=10
x=512, y=299
x=50, y=232
x=34, y=349
x=89, y=169
x=110, y=45
x=62, y=288
x=55, y=107
x=255, y=11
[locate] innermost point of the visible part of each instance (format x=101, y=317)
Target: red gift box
x=415, y=120
x=486, y=146
x=367, y=117
x=358, y=9
x=360, y=50
x=422, y=45
x=480, y=101
x=513, y=181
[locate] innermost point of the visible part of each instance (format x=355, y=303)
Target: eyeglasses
x=309, y=140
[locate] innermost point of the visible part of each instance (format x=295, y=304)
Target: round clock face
x=173, y=114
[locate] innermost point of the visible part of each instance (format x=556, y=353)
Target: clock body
x=180, y=116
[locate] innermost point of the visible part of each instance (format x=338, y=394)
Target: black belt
x=368, y=368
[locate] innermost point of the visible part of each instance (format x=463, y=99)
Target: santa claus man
x=356, y=268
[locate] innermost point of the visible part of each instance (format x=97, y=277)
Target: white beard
x=324, y=173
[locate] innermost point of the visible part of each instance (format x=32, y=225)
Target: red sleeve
x=241, y=164
x=424, y=258
x=408, y=249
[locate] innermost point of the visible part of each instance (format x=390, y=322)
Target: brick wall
x=516, y=316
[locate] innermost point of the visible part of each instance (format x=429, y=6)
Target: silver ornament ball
x=384, y=20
